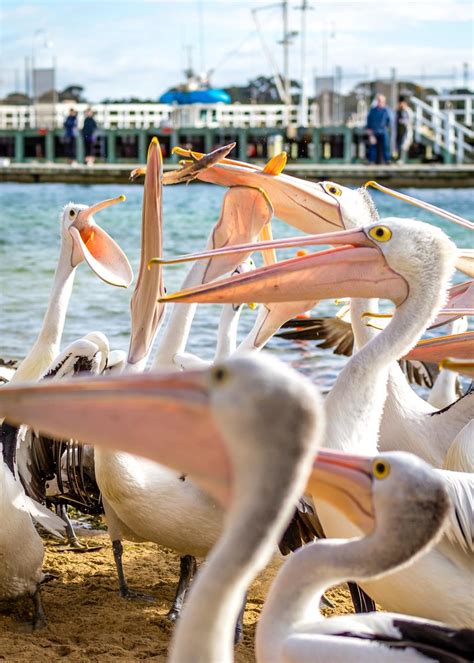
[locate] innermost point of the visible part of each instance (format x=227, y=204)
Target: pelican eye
x=220, y=374
x=380, y=233
x=72, y=213
x=333, y=189
x=380, y=469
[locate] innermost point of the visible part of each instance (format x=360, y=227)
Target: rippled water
x=29, y=245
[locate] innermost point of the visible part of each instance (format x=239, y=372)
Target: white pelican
x=422, y=258
x=408, y=507
x=21, y=548
x=81, y=239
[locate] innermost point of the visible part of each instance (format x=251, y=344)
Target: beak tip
x=122, y=198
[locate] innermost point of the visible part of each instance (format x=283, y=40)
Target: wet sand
x=88, y=621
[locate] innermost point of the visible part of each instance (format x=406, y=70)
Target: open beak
x=164, y=417
x=345, y=481
x=98, y=249
x=245, y=212
x=463, y=366
x=460, y=302
x=147, y=312
x=455, y=218
x=303, y=204
x=355, y=268
x=435, y=350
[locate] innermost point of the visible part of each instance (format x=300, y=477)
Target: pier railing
x=461, y=105
x=145, y=116
x=448, y=137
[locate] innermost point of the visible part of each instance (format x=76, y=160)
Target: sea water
x=29, y=247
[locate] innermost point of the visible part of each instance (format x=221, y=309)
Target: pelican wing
x=460, y=528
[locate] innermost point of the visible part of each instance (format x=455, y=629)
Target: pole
x=285, y=42
x=304, y=81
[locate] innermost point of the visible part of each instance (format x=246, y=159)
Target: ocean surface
x=29, y=247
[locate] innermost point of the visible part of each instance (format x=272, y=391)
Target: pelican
x=406, y=417
x=408, y=506
x=445, y=572
x=81, y=239
x=21, y=548
x=144, y=500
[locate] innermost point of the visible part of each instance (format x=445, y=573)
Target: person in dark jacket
x=88, y=133
x=378, y=123
x=70, y=133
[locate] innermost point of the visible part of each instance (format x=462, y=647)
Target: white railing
x=443, y=130
x=108, y=116
x=460, y=104
x=145, y=116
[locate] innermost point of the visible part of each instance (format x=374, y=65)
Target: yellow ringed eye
x=219, y=374
x=72, y=213
x=380, y=233
x=333, y=189
x=380, y=468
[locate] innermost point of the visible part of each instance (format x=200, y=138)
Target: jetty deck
x=403, y=175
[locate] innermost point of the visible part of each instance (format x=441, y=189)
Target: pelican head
x=88, y=241
x=386, y=496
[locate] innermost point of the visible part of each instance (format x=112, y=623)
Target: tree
x=72, y=93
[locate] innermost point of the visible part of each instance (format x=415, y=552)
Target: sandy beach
x=88, y=621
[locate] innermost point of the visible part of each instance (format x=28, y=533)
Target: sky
x=124, y=48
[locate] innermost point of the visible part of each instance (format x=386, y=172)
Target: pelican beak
x=461, y=221
x=245, y=213
x=345, y=482
x=460, y=302
x=98, y=249
x=436, y=349
x=465, y=262
x=147, y=313
x=163, y=417
x=355, y=268
x=463, y=366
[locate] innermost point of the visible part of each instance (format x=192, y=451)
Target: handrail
x=449, y=134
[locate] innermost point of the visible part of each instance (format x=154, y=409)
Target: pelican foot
x=39, y=618
x=173, y=614
x=131, y=595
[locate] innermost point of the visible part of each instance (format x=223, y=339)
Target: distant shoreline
x=399, y=176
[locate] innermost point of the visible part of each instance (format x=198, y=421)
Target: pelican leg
x=125, y=592
x=239, y=627
x=188, y=568
x=73, y=541
x=39, y=617
x=362, y=601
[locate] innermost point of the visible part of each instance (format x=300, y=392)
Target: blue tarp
x=211, y=96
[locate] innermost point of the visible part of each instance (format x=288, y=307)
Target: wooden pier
x=398, y=176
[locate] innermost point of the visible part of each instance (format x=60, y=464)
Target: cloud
x=124, y=47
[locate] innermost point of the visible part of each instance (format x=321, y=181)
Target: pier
x=398, y=176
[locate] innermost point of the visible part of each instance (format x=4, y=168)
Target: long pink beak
x=355, y=269
x=92, y=244
x=345, y=481
x=168, y=419
x=164, y=417
x=245, y=211
x=435, y=350
x=460, y=302
x=147, y=313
